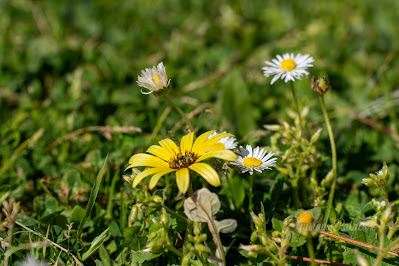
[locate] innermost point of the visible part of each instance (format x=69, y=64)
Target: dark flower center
x=183, y=161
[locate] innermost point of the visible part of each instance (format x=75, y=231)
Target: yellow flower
x=305, y=218
x=168, y=157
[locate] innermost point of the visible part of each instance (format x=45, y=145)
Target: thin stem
x=309, y=244
x=177, y=252
x=231, y=192
x=250, y=196
x=318, y=261
x=381, y=255
x=180, y=112
x=334, y=159
x=296, y=104
x=175, y=214
x=359, y=243
x=296, y=195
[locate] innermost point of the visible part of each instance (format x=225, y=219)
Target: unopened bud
x=156, y=199
x=202, y=248
x=164, y=217
x=254, y=236
x=133, y=215
x=320, y=85
x=257, y=221
x=315, y=136
x=387, y=215
x=185, y=261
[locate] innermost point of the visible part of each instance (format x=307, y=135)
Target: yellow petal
x=199, y=142
x=207, y=172
x=169, y=146
x=159, y=152
x=186, y=143
x=142, y=159
x=183, y=180
x=212, y=141
x=155, y=178
x=220, y=154
x=146, y=173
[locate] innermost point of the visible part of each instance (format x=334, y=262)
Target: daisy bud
x=315, y=136
x=387, y=215
x=320, y=85
x=369, y=182
x=133, y=215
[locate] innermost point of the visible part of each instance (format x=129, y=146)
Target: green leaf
x=367, y=235
x=95, y=244
x=93, y=196
x=238, y=191
x=236, y=104
x=273, y=196
x=139, y=257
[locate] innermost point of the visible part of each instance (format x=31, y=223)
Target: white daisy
x=254, y=159
x=288, y=67
x=226, y=143
x=153, y=79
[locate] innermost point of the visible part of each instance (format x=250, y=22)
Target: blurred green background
x=68, y=65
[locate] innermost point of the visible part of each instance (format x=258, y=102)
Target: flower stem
x=180, y=112
x=334, y=159
x=309, y=244
x=381, y=255
x=175, y=214
x=174, y=250
x=296, y=104
x=250, y=196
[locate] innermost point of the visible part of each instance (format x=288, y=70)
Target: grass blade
x=93, y=196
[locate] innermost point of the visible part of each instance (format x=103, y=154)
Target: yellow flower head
x=305, y=218
x=167, y=157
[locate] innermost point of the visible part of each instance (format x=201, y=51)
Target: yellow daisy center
x=183, y=161
x=305, y=217
x=288, y=64
x=156, y=78
x=217, y=146
x=251, y=162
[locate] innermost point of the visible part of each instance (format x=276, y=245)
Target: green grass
x=66, y=66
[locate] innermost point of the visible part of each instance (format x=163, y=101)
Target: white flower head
x=288, y=67
x=153, y=79
x=226, y=143
x=256, y=159
x=31, y=261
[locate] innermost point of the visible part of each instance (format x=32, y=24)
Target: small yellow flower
x=168, y=157
x=305, y=218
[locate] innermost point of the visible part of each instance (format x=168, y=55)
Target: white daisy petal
x=153, y=79
x=288, y=67
x=253, y=159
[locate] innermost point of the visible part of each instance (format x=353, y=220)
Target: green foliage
x=68, y=97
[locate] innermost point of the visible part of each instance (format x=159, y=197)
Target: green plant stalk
x=250, y=196
x=180, y=112
x=175, y=214
x=309, y=244
x=174, y=250
x=385, y=194
x=159, y=123
x=334, y=159
x=381, y=255
x=297, y=201
x=296, y=104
